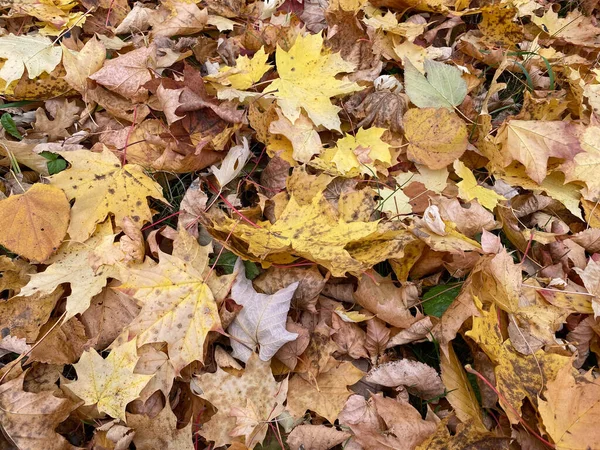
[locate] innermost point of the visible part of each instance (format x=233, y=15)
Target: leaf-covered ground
x=299, y=224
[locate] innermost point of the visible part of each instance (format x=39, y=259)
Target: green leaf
x=10, y=126
x=227, y=261
x=437, y=299
x=55, y=162
x=443, y=87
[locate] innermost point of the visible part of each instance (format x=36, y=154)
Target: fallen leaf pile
x=299, y=224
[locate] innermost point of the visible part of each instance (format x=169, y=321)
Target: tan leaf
x=413, y=375
x=390, y=303
x=63, y=345
x=178, y=297
x=71, y=265
x=315, y=437
x=301, y=133
x=571, y=409
x=64, y=117
x=126, y=74
x=245, y=404
x=24, y=316
x=532, y=142
x=310, y=280
x=110, y=311
x=326, y=395
x=29, y=419
x=160, y=432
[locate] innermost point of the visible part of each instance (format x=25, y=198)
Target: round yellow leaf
x=436, y=137
x=34, y=224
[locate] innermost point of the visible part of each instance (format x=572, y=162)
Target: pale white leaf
x=36, y=53
x=261, y=322
x=233, y=163
x=414, y=375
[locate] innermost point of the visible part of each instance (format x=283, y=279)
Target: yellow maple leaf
x=307, y=79
x=71, y=264
x=363, y=153
x=517, y=376
x=309, y=226
x=246, y=72
x=100, y=186
x=178, y=300
x=469, y=189
x=245, y=404
x=109, y=383
x=34, y=224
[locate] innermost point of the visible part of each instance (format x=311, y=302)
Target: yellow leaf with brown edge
x=517, y=376
x=34, y=224
x=570, y=410
x=326, y=395
x=178, y=297
x=436, y=136
x=109, y=383
x=101, y=186
x=45, y=86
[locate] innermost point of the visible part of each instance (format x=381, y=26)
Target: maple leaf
x=532, y=142
x=109, y=383
x=315, y=437
x=307, y=80
x=80, y=65
x=247, y=71
x=34, y=223
x=261, y=323
x=304, y=138
x=571, y=409
x=459, y=391
x=585, y=165
x=355, y=154
x=71, y=264
x=178, y=297
x=468, y=435
x=245, y=404
x=29, y=419
x=160, y=431
x=312, y=230
x=100, y=185
x=127, y=73
x=37, y=54
x=326, y=394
